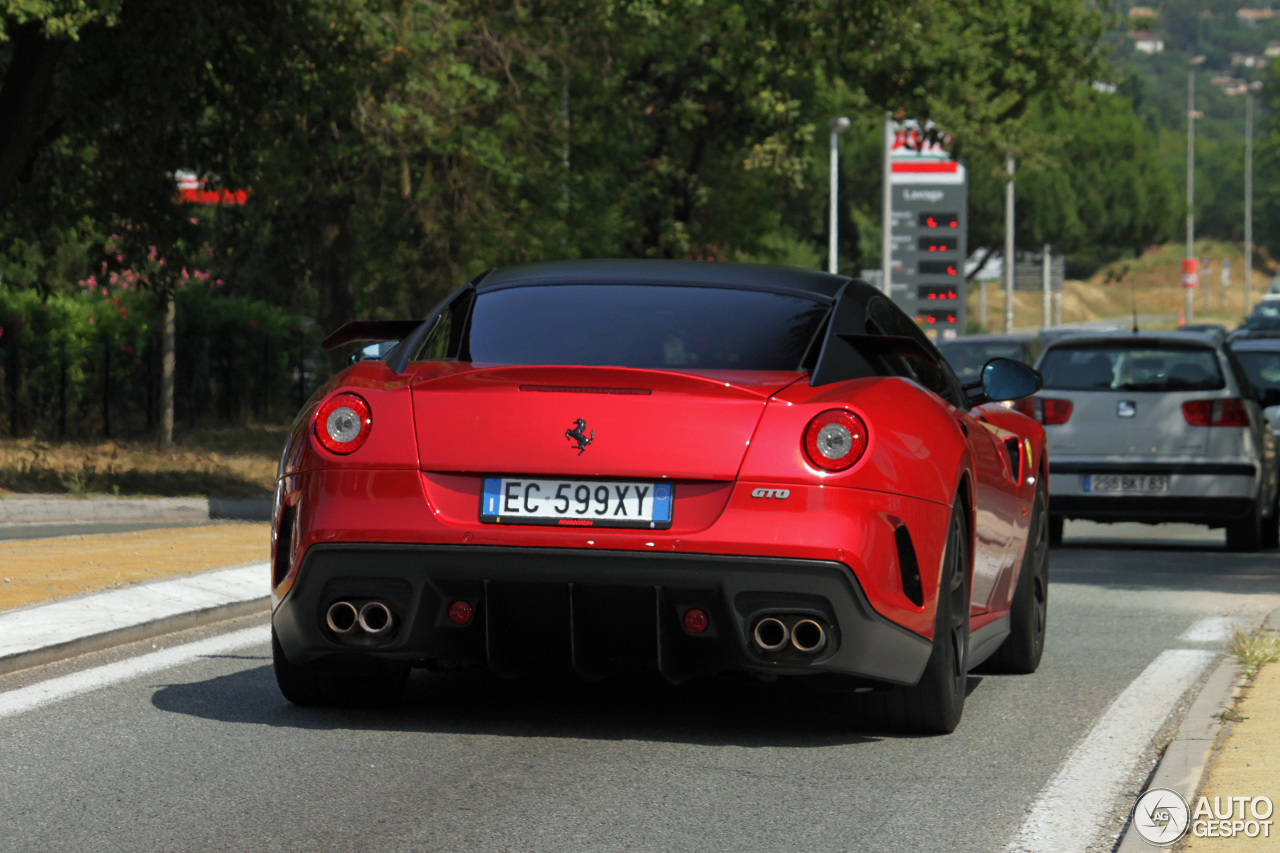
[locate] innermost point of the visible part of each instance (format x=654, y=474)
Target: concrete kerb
x=46, y=509
x=1183, y=764
x=56, y=630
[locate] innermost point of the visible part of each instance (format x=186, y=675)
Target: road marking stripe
x=1212, y=629
x=1072, y=809
x=56, y=689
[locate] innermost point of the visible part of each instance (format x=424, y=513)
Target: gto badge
x=780, y=494
x=578, y=434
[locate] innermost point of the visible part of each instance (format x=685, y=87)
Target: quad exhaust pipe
x=773, y=633
x=808, y=636
x=373, y=618
x=342, y=617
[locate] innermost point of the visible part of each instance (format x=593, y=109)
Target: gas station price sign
x=928, y=230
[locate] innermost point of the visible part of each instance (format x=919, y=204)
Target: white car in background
x=1156, y=427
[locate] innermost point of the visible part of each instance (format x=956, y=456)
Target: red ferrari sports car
x=695, y=468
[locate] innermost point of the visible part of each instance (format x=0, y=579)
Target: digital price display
x=937, y=244
x=935, y=293
x=938, y=268
x=937, y=318
x=938, y=220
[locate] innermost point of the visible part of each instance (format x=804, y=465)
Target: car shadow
x=712, y=712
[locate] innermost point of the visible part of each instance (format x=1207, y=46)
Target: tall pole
x=837, y=125
x=1045, y=283
x=1008, y=246
x=1189, y=310
x=1248, y=194
x=886, y=206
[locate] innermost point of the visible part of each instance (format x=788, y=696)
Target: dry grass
x=1152, y=282
x=232, y=462
x=1253, y=651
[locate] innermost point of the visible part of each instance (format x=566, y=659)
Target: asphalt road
x=206, y=755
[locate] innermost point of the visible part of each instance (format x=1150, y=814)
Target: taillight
x=1044, y=410
x=1228, y=412
x=835, y=440
x=343, y=423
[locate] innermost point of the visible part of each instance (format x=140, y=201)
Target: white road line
x=1212, y=629
x=55, y=689
x=1072, y=808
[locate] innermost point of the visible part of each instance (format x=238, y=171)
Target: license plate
x=1123, y=483
x=576, y=503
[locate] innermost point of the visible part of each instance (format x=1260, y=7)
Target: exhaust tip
x=770, y=634
x=375, y=618
x=808, y=636
x=341, y=617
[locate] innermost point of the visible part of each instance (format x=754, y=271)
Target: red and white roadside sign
x=919, y=156
x=1190, y=273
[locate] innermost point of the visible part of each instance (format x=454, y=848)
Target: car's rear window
x=649, y=326
x=1131, y=368
x=1263, y=368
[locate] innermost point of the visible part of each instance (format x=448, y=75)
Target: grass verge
x=226, y=462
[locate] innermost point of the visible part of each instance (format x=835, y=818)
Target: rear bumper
x=592, y=612
x=1153, y=509
x=1199, y=491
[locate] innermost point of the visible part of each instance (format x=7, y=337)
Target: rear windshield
x=1263, y=368
x=968, y=358
x=649, y=326
x=1122, y=368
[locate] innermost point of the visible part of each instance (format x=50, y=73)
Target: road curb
x=59, y=629
x=133, y=633
x=46, y=509
x=1182, y=766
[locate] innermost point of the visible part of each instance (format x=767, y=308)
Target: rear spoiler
x=370, y=330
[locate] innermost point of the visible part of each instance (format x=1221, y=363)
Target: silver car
x=1156, y=427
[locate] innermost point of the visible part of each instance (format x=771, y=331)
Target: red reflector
x=696, y=621
x=1228, y=412
x=460, y=613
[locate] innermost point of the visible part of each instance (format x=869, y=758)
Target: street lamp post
x=838, y=126
x=1189, y=310
x=1248, y=191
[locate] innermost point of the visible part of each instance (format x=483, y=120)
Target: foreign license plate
x=576, y=503
x=1125, y=483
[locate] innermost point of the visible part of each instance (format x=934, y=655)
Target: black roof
x=809, y=283
x=1188, y=340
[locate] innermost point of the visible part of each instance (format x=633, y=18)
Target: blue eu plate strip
x=492, y=495
x=661, y=502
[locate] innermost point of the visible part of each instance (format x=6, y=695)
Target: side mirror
x=1005, y=379
x=1268, y=397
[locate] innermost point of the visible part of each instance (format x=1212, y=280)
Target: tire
x=935, y=704
x=1021, y=651
x=1057, y=524
x=367, y=684
x=1245, y=535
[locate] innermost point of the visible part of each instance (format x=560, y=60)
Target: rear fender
x=392, y=441
x=915, y=447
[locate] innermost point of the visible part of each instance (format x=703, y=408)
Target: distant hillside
x=1153, y=282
